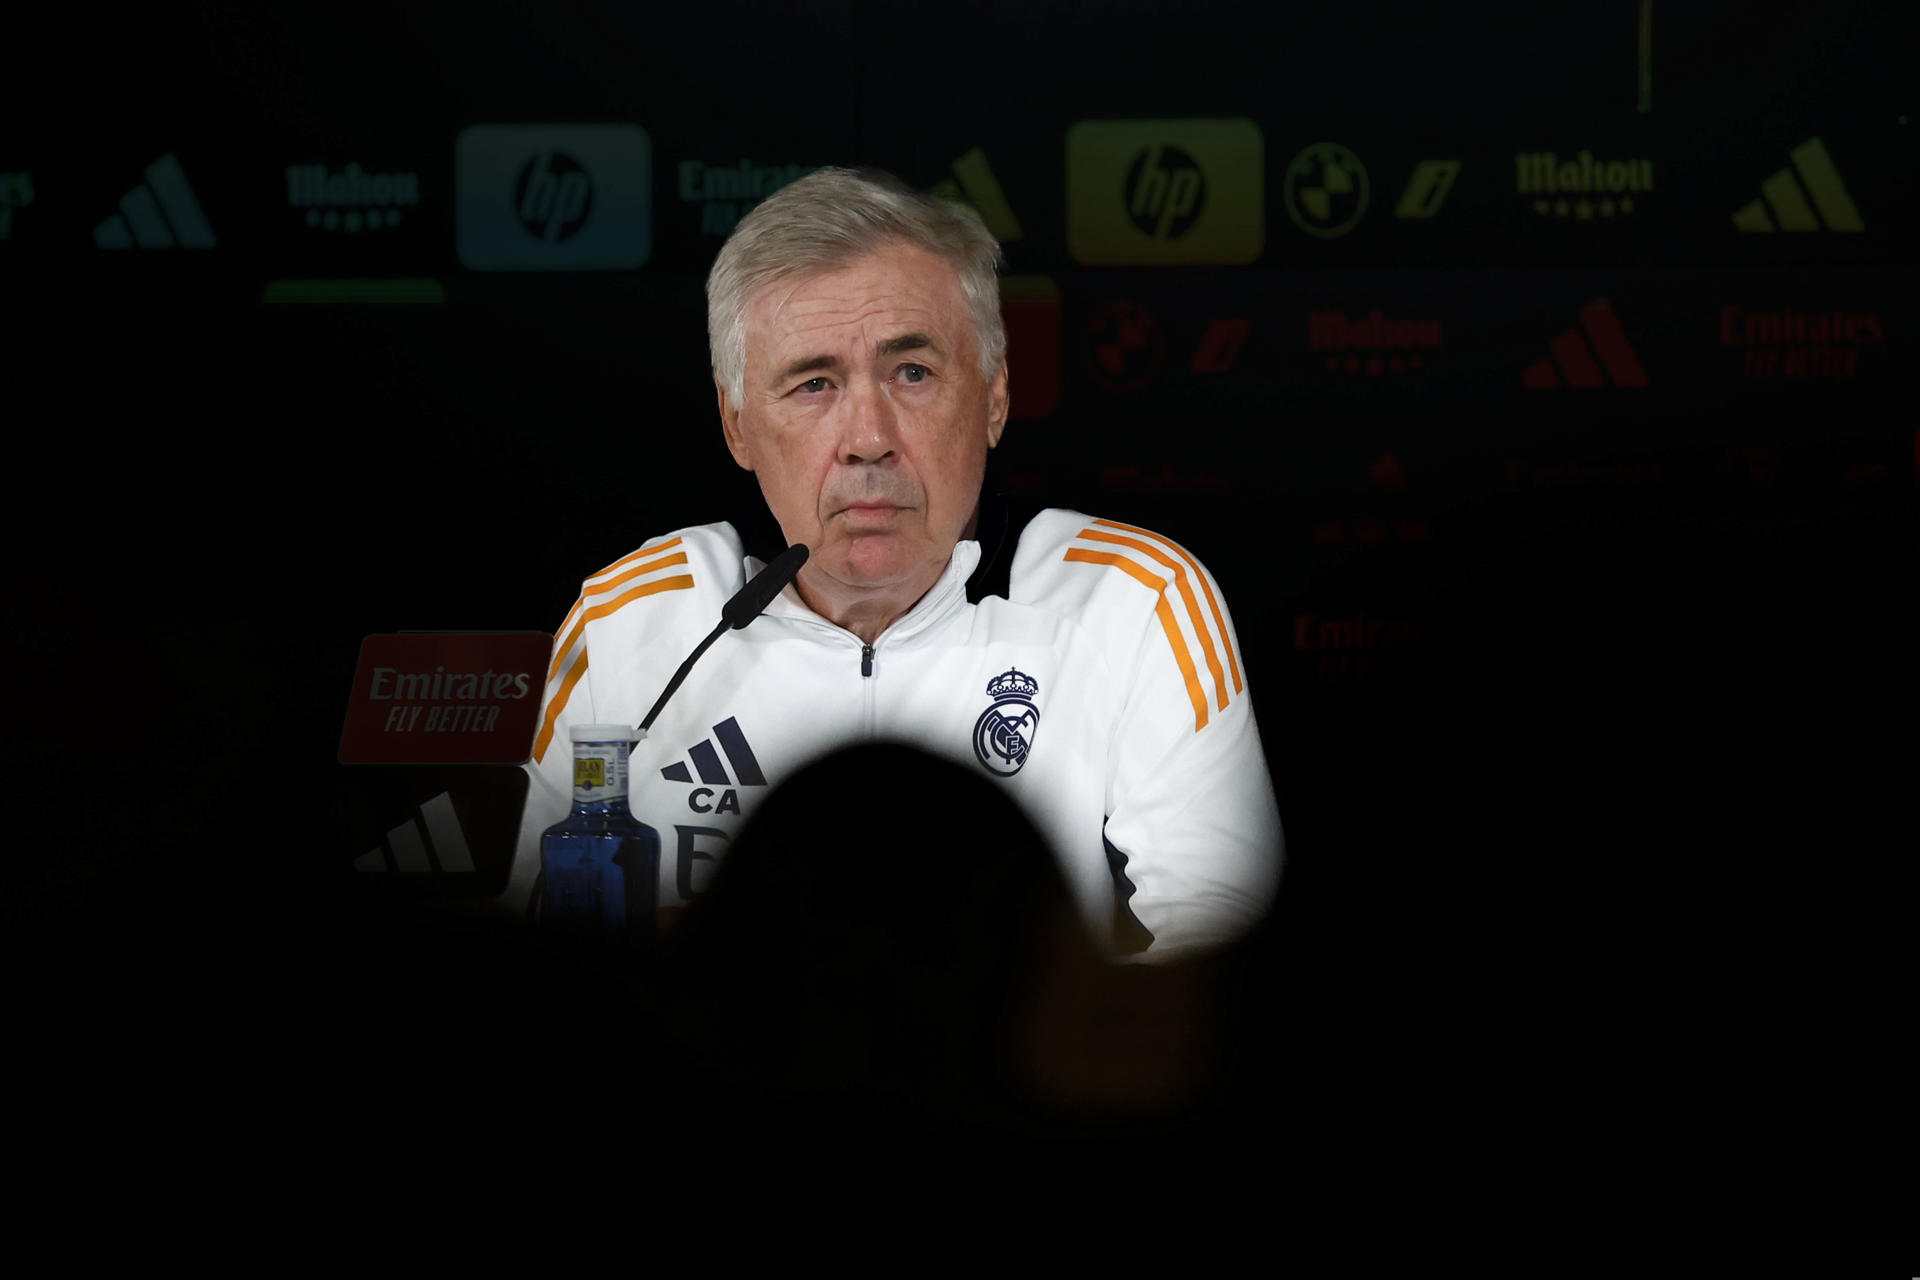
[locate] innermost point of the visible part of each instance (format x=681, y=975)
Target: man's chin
x=874, y=560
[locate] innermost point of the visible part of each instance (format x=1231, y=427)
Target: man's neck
x=865, y=613
x=869, y=613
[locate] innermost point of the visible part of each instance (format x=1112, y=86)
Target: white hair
x=829, y=218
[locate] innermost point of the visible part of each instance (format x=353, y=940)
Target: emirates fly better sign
x=445, y=698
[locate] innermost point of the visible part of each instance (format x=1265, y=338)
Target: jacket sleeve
x=566, y=701
x=1193, y=826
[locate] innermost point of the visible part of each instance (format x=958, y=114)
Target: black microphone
x=747, y=604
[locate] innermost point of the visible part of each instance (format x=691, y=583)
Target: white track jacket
x=1103, y=691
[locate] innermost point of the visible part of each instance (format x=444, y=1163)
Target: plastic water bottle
x=600, y=865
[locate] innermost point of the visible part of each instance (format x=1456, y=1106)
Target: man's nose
x=870, y=429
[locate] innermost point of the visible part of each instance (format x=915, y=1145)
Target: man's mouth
x=870, y=512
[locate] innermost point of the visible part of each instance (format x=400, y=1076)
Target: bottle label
x=599, y=772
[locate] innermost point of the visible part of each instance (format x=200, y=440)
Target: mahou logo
x=1373, y=344
x=1788, y=343
x=352, y=199
x=1583, y=187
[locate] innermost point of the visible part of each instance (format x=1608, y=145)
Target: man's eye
x=813, y=385
x=914, y=372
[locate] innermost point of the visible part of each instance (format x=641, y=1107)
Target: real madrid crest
x=1003, y=734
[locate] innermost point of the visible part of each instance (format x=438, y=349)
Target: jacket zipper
x=866, y=683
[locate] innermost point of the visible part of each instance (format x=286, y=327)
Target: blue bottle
x=600, y=865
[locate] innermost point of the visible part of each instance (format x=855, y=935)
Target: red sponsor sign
x=446, y=698
x=1123, y=346
x=1030, y=307
x=1374, y=343
x=1786, y=343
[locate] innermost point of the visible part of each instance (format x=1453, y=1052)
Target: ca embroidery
x=1003, y=734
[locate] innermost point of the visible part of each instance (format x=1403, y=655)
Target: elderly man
x=1086, y=666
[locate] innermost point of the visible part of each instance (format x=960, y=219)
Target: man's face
x=866, y=419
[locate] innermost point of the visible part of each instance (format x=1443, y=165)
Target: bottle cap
x=600, y=732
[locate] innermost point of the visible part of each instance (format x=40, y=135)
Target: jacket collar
x=946, y=597
x=996, y=532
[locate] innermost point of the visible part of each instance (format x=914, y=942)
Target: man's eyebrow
x=806, y=364
x=891, y=347
x=908, y=342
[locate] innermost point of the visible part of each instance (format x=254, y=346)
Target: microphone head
x=751, y=599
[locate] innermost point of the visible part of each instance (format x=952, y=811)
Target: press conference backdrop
x=1508, y=368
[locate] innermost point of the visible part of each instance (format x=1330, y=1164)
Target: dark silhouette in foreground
x=890, y=942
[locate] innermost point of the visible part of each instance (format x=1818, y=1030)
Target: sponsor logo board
x=1388, y=476
x=1784, y=198
x=1374, y=344
x=443, y=831
x=1326, y=191
x=1030, y=308
x=350, y=200
x=725, y=191
x=161, y=212
x=1221, y=344
x=1165, y=192
x=1359, y=645
x=445, y=698
x=973, y=182
x=1427, y=188
x=1582, y=187
x=1788, y=343
x=554, y=197
x=1571, y=362
x=1124, y=346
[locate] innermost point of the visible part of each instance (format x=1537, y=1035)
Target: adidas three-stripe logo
x=1781, y=194
x=706, y=761
x=159, y=213
x=1576, y=362
x=1161, y=565
x=443, y=835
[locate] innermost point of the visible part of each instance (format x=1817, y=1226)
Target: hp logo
x=553, y=196
x=1165, y=192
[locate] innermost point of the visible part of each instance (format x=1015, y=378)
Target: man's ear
x=997, y=406
x=730, y=426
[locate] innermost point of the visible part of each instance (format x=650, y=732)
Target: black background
x=1603, y=804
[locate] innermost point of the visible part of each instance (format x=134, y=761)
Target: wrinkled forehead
x=870, y=298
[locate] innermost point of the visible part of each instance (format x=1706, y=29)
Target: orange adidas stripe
x=644, y=551
x=682, y=583
x=1186, y=595
x=593, y=587
x=1212, y=603
x=635, y=572
x=554, y=708
x=1167, y=623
